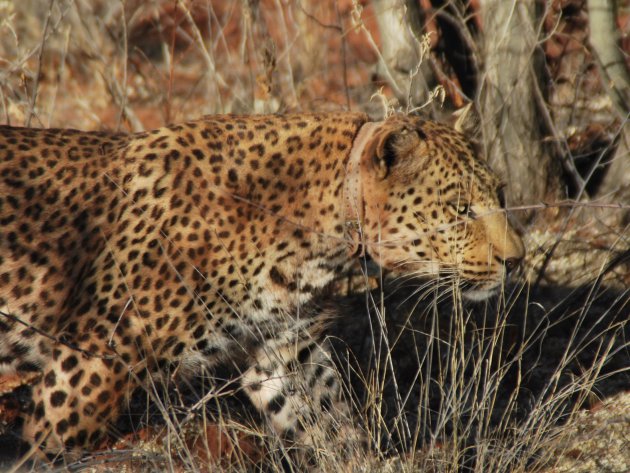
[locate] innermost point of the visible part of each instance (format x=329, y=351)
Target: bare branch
x=40, y=58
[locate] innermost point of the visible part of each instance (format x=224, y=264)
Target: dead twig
x=40, y=58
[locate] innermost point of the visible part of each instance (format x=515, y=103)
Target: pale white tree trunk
x=401, y=51
x=508, y=87
x=604, y=39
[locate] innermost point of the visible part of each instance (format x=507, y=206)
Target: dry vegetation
x=438, y=384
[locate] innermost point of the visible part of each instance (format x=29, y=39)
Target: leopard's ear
x=466, y=120
x=392, y=141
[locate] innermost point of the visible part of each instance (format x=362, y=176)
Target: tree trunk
x=604, y=38
x=400, y=26
x=508, y=96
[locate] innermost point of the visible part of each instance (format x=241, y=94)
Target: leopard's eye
x=462, y=208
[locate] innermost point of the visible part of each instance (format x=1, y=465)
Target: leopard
x=125, y=256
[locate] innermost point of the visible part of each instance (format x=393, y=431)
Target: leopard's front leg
x=293, y=382
x=76, y=399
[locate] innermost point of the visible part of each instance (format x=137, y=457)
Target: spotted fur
x=206, y=242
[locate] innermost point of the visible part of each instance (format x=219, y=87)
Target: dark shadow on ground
x=550, y=337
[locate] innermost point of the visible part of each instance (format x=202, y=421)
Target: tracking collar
x=354, y=205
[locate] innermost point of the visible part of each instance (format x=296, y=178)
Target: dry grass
x=439, y=385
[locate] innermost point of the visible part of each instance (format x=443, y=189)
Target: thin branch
x=60, y=340
x=123, y=98
x=344, y=61
x=312, y=17
x=40, y=58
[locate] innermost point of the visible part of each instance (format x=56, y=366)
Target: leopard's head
x=431, y=207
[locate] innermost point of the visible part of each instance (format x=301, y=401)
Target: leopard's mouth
x=476, y=292
x=470, y=290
